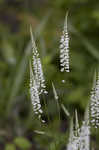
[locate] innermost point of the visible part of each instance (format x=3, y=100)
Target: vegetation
x=19, y=129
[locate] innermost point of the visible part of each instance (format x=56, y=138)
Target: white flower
x=84, y=137
x=37, y=67
x=80, y=139
x=35, y=96
x=64, y=49
x=94, y=103
x=74, y=140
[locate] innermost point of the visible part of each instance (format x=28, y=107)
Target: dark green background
x=17, y=125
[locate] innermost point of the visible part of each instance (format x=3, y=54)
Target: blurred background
x=19, y=129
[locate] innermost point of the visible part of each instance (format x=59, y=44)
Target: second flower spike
x=37, y=67
x=64, y=48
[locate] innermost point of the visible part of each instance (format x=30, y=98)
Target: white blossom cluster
x=80, y=139
x=84, y=137
x=37, y=81
x=37, y=68
x=73, y=140
x=35, y=96
x=74, y=144
x=64, y=49
x=94, y=104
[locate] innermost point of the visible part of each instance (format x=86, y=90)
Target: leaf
x=8, y=53
x=10, y=147
x=65, y=110
x=89, y=47
x=22, y=143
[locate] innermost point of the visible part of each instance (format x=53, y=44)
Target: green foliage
x=22, y=143
x=10, y=147
x=46, y=19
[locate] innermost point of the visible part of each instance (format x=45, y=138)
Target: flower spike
x=64, y=48
x=37, y=67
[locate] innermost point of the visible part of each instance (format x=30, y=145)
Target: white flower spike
x=80, y=139
x=34, y=94
x=84, y=135
x=94, y=103
x=73, y=139
x=64, y=48
x=37, y=67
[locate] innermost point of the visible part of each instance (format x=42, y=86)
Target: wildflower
x=74, y=135
x=84, y=136
x=35, y=95
x=80, y=139
x=37, y=68
x=64, y=48
x=73, y=139
x=94, y=103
